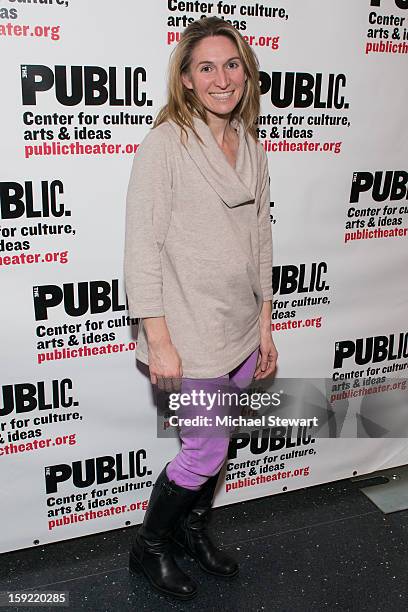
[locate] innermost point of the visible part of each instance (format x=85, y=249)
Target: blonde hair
x=182, y=103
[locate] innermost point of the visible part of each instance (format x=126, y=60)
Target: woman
x=198, y=271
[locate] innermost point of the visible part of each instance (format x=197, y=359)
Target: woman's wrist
x=156, y=331
x=265, y=316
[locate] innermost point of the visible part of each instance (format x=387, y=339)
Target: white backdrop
x=80, y=444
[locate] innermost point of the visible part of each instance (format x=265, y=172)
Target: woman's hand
x=165, y=364
x=268, y=355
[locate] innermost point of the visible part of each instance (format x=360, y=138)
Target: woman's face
x=216, y=74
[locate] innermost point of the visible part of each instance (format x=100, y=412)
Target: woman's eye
x=233, y=64
x=204, y=68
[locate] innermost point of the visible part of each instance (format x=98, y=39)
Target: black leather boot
x=151, y=550
x=191, y=533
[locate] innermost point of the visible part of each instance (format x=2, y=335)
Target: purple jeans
x=204, y=449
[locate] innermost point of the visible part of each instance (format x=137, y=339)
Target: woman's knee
x=209, y=459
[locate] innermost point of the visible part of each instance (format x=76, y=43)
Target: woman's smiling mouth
x=222, y=96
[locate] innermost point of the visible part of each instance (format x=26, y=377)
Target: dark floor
x=322, y=548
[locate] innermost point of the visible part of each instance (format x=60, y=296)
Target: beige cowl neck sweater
x=198, y=246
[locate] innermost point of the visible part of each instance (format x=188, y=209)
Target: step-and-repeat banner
x=80, y=440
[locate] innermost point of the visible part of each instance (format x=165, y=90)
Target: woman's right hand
x=165, y=365
x=164, y=361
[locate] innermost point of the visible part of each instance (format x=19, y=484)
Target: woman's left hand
x=268, y=355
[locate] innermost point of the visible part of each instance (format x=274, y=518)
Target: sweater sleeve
x=265, y=231
x=148, y=211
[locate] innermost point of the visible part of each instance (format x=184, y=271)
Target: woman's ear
x=185, y=78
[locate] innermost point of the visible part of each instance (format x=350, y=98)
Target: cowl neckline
x=235, y=186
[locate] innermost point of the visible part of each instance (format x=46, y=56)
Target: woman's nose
x=221, y=78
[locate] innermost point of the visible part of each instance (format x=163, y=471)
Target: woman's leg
x=201, y=459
